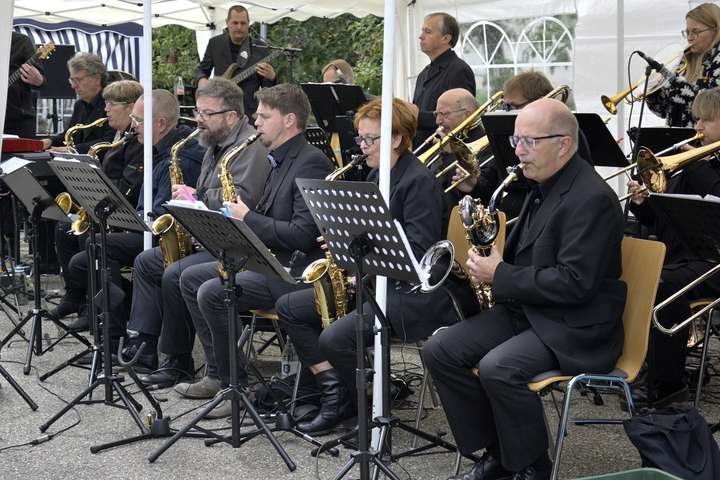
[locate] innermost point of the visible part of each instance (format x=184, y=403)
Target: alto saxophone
x=227, y=182
x=481, y=229
x=175, y=241
x=70, y=142
x=333, y=292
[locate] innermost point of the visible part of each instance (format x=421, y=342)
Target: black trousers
x=666, y=354
x=299, y=318
x=497, y=409
x=204, y=295
x=158, y=308
x=122, y=248
x=66, y=246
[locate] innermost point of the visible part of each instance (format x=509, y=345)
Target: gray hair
x=165, y=105
x=228, y=92
x=89, y=62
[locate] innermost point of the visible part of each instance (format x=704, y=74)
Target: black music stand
x=317, y=137
x=236, y=246
x=660, y=138
x=363, y=237
x=40, y=205
x=328, y=100
x=106, y=206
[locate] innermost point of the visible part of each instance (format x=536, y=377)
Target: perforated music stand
x=236, y=246
x=363, y=237
x=317, y=137
x=106, y=206
x=40, y=205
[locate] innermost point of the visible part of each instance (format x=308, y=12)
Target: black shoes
x=488, y=468
x=175, y=369
x=64, y=309
x=532, y=473
x=80, y=324
x=335, y=404
x=147, y=362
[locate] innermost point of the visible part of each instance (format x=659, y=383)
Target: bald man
x=558, y=304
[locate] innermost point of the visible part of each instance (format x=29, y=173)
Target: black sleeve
x=206, y=64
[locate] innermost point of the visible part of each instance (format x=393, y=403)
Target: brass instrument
x=329, y=282
x=226, y=179
x=95, y=149
x=696, y=137
x=333, y=291
x=655, y=170
x=654, y=84
x=561, y=93
x=69, y=142
x=482, y=227
x=175, y=241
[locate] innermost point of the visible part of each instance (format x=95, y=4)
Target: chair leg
x=562, y=427
x=551, y=440
x=420, y=405
x=703, y=357
x=278, y=332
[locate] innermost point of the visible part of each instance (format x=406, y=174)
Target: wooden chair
x=642, y=262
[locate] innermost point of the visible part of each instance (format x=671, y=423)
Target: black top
x=446, y=72
x=219, y=56
x=85, y=113
x=20, y=112
x=123, y=165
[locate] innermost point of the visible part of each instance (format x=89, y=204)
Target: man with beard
x=157, y=304
x=281, y=220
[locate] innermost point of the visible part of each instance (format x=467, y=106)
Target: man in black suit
x=439, y=35
x=558, y=303
x=20, y=111
x=280, y=219
x=158, y=314
x=236, y=45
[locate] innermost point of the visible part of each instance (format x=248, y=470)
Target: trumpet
x=656, y=83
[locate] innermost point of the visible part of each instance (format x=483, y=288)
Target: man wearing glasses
x=558, y=304
x=124, y=247
x=281, y=220
x=87, y=78
x=157, y=305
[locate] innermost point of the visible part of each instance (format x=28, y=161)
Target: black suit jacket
x=444, y=73
x=564, y=272
x=282, y=220
x=218, y=56
x=86, y=113
x=417, y=203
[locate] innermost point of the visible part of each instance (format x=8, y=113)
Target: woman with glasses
x=416, y=202
x=673, y=101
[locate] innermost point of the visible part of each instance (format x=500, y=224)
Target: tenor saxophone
x=482, y=226
x=333, y=292
x=70, y=142
x=175, y=241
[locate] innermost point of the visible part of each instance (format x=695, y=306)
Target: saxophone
x=481, y=229
x=70, y=142
x=333, y=292
x=175, y=241
x=226, y=180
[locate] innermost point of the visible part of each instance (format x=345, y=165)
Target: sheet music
x=12, y=164
x=195, y=204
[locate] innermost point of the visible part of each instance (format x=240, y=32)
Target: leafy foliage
x=174, y=55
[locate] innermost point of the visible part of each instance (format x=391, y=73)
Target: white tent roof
x=196, y=14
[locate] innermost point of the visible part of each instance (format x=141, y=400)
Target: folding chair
x=642, y=262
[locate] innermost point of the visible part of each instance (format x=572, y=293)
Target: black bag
x=277, y=390
x=676, y=441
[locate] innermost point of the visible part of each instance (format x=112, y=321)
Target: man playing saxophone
x=123, y=247
x=416, y=201
x=281, y=220
x=157, y=304
x=558, y=304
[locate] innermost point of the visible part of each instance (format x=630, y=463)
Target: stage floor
x=589, y=450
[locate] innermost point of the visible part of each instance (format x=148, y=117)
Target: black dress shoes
x=175, y=369
x=488, y=468
x=532, y=473
x=146, y=363
x=64, y=309
x=80, y=324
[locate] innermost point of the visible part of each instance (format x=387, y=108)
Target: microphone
x=340, y=76
x=651, y=61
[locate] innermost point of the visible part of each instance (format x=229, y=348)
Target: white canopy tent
x=605, y=33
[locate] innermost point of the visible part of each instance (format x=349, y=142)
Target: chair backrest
x=642, y=262
x=456, y=234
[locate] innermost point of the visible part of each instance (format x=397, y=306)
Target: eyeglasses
x=368, y=139
x=439, y=114
x=529, y=142
x=688, y=34
x=508, y=107
x=205, y=114
x=76, y=80
x=110, y=103
x=135, y=120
